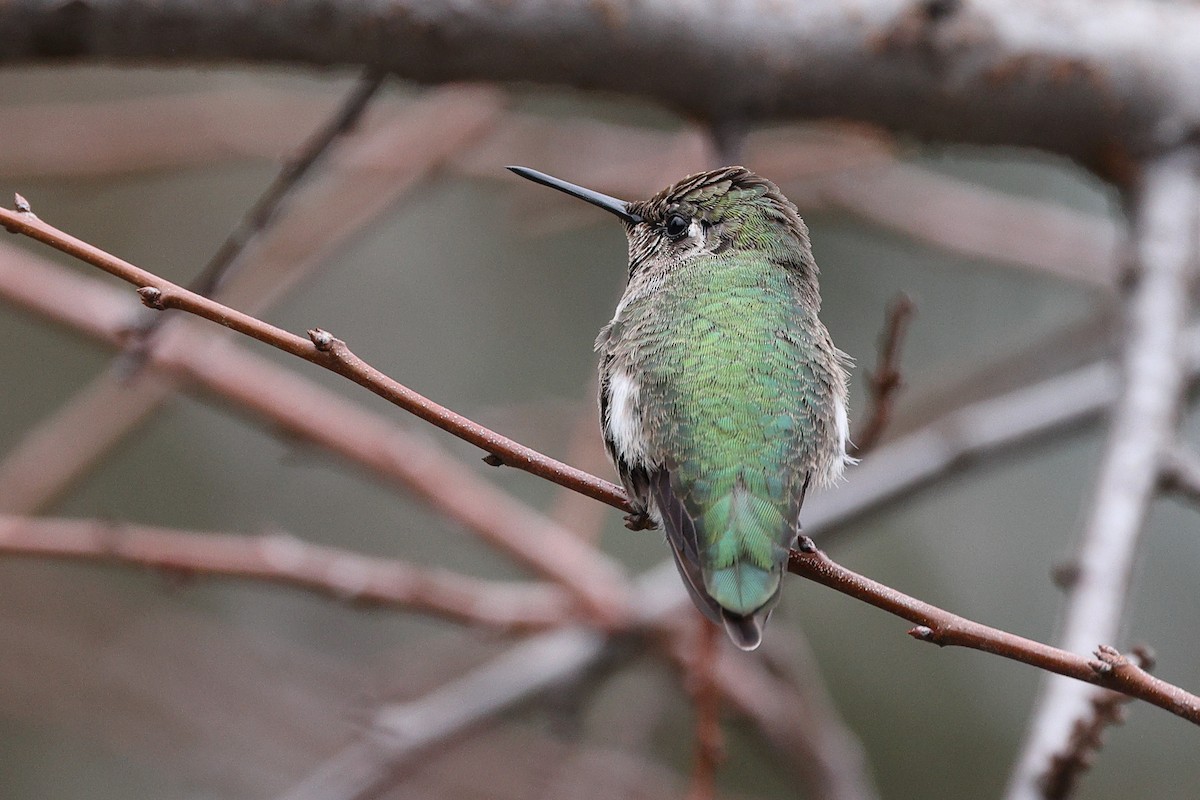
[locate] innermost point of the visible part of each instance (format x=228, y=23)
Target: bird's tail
x=730, y=555
x=744, y=563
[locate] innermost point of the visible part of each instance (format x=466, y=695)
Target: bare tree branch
x=292, y=405
x=398, y=733
x=821, y=753
x=944, y=628
x=283, y=559
x=884, y=382
x=1166, y=222
x=1044, y=74
x=426, y=132
x=796, y=717
x=701, y=682
x=1087, y=737
x=267, y=207
x=324, y=350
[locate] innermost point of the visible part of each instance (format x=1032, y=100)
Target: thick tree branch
x=282, y=559
x=1166, y=223
x=1048, y=74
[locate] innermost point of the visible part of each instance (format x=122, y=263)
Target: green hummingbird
x=722, y=396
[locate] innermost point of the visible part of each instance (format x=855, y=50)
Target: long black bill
x=612, y=204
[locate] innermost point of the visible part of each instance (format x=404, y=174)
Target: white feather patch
x=625, y=419
x=841, y=423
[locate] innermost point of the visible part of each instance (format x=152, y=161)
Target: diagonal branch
x=1165, y=226
x=323, y=350
x=282, y=559
x=823, y=755
x=267, y=207
x=427, y=132
x=933, y=623
x=946, y=629
x=289, y=404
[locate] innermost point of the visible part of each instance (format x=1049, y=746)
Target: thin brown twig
x=265, y=209
x=322, y=349
x=816, y=748
x=283, y=559
x=885, y=382
x=934, y=624
x=1109, y=669
x=426, y=133
x=1087, y=737
x=288, y=404
x=706, y=703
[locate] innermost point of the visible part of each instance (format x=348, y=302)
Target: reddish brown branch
x=943, y=628
x=285, y=560
x=265, y=209
x=330, y=353
x=290, y=405
x=1087, y=737
x=885, y=382
x=934, y=624
x=706, y=702
x=417, y=140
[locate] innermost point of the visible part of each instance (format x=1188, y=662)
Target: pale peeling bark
x=1102, y=83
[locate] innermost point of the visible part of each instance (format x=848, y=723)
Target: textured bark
x=1101, y=83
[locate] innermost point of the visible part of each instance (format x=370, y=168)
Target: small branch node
x=493, y=460
x=1108, y=660
x=1065, y=575
x=322, y=340
x=922, y=632
x=152, y=297
x=805, y=544
x=22, y=205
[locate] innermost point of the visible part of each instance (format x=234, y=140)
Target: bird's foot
x=805, y=544
x=639, y=521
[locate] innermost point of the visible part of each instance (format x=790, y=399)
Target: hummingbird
x=722, y=396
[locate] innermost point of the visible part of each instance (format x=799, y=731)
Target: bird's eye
x=677, y=226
